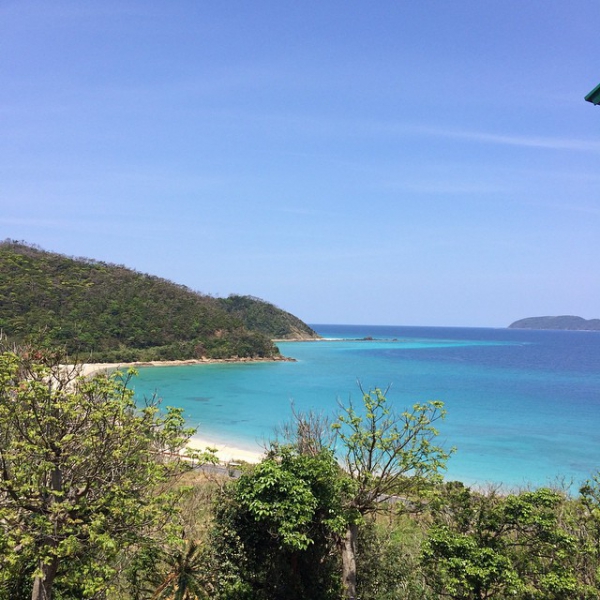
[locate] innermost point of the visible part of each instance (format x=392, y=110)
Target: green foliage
x=286, y=493
x=279, y=517
x=388, y=561
x=461, y=544
x=494, y=546
x=104, y=312
x=585, y=525
x=389, y=459
x=84, y=475
x=258, y=315
x=386, y=453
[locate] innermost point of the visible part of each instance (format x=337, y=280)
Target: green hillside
x=561, y=322
x=104, y=312
x=258, y=315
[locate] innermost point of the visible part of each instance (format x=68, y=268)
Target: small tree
x=388, y=456
x=277, y=521
x=83, y=472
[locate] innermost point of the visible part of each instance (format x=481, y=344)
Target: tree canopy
x=105, y=312
x=83, y=473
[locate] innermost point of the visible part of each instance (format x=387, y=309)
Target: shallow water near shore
x=523, y=406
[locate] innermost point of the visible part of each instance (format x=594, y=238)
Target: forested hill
x=561, y=322
x=104, y=312
x=262, y=316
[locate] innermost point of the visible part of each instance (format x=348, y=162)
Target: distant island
x=100, y=312
x=561, y=322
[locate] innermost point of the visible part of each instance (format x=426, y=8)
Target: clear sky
x=393, y=162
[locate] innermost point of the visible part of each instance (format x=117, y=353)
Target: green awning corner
x=594, y=95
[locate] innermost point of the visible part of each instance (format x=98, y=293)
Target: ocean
x=523, y=406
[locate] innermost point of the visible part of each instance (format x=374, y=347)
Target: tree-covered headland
x=97, y=502
x=108, y=313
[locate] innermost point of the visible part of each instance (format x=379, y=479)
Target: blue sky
x=409, y=163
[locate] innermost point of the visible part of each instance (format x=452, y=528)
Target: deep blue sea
x=523, y=405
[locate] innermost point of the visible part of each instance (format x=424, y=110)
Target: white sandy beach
x=225, y=452
x=87, y=369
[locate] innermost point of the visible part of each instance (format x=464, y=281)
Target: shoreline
x=88, y=369
x=226, y=452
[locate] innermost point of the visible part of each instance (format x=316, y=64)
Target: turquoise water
x=523, y=406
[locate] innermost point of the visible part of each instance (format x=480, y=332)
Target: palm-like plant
x=184, y=579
